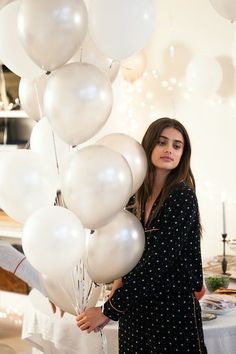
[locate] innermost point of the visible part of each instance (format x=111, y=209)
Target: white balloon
x=46, y=143
x=26, y=184
x=133, y=67
x=4, y=3
x=53, y=240
x=120, y=244
x=31, y=93
x=203, y=75
x=51, y=31
x=132, y=151
x=57, y=293
x=121, y=28
x=96, y=184
x=12, y=53
x=77, y=101
x=88, y=53
x=64, y=292
x=226, y=8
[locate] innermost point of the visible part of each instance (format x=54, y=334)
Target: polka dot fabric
x=156, y=308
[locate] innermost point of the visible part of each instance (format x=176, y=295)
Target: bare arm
x=116, y=285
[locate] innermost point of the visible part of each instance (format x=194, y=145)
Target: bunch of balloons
x=68, y=55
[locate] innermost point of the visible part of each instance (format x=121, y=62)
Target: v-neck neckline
x=149, y=219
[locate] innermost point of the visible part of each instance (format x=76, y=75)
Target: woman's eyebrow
x=179, y=141
x=176, y=141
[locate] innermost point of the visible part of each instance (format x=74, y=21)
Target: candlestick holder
x=224, y=260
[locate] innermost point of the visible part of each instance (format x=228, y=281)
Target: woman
x=156, y=302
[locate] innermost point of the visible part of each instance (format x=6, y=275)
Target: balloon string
x=89, y=292
x=55, y=151
x=102, y=334
x=37, y=98
x=104, y=342
x=80, y=291
x=53, y=135
x=81, y=286
x=75, y=282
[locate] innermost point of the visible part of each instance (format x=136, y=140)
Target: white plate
x=217, y=312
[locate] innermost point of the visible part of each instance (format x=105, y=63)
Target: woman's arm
x=16, y=263
x=116, y=285
x=92, y=319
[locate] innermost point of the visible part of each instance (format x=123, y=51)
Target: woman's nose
x=168, y=149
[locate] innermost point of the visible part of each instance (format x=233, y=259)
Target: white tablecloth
x=220, y=334
x=50, y=334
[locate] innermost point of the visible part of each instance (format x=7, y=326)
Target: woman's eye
x=161, y=143
x=177, y=147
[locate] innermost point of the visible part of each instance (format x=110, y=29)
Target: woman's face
x=168, y=150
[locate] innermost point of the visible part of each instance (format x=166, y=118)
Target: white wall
x=192, y=27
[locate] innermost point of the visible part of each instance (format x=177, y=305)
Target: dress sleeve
x=174, y=225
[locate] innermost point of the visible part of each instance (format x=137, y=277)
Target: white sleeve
x=15, y=262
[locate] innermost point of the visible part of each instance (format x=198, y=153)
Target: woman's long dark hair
x=181, y=173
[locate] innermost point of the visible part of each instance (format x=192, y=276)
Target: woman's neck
x=159, y=181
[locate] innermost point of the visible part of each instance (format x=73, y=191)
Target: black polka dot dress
x=156, y=307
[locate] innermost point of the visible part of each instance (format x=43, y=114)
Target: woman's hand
x=102, y=326
x=90, y=319
x=200, y=294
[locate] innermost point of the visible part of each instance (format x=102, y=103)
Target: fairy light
x=172, y=51
x=11, y=314
x=164, y=83
x=142, y=104
x=3, y=315
x=212, y=103
x=173, y=80
x=149, y=95
x=155, y=74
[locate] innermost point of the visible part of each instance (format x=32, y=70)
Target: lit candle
x=224, y=223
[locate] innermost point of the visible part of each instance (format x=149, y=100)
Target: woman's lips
x=167, y=158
